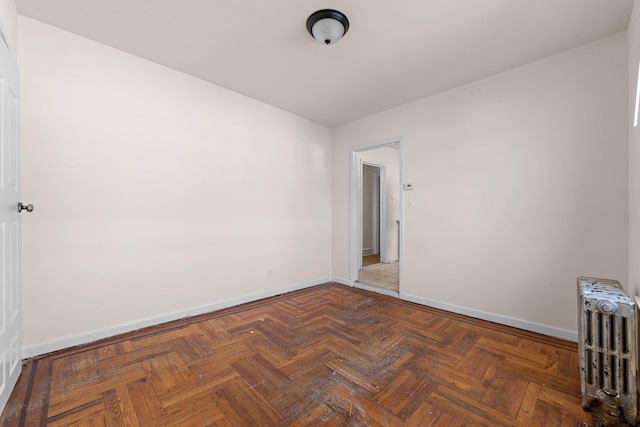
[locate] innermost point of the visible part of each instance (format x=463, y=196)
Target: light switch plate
x=408, y=186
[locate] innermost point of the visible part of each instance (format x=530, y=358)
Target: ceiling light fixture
x=327, y=26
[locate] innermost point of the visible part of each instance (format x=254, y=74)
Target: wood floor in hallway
x=370, y=259
x=327, y=355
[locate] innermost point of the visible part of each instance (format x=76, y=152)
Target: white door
x=10, y=276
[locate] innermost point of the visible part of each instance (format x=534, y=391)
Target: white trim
x=539, y=328
x=635, y=114
x=92, y=336
x=341, y=280
x=367, y=251
x=401, y=258
x=358, y=198
x=5, y=39
x=353, y=216
x=376, y=289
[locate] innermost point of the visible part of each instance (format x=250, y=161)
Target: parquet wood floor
x=329, y=355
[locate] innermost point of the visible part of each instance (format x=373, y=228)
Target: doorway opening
x=373, y=213
x=376, y=211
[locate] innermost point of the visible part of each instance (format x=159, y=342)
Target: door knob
x=28, y=208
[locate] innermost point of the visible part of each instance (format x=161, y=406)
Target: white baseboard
x=91, y=336
x=526, y=325
x=341, y=280
x=367, y=251
x=50, y=346
x=540, y=328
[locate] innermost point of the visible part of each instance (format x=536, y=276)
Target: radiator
x=607, y=343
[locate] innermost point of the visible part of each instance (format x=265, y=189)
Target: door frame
x=355, y=190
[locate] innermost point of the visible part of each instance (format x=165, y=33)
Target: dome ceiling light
x=327, y=26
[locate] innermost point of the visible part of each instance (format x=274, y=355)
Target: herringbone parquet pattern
x=328, y=355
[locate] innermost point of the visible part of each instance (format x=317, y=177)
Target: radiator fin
x=607, y=343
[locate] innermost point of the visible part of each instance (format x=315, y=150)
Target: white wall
x=156, y=192
x=633, y=42
x=520, y=187
x=390, y=158
x=9, y=18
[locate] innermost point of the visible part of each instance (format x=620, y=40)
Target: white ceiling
x=396, y=51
